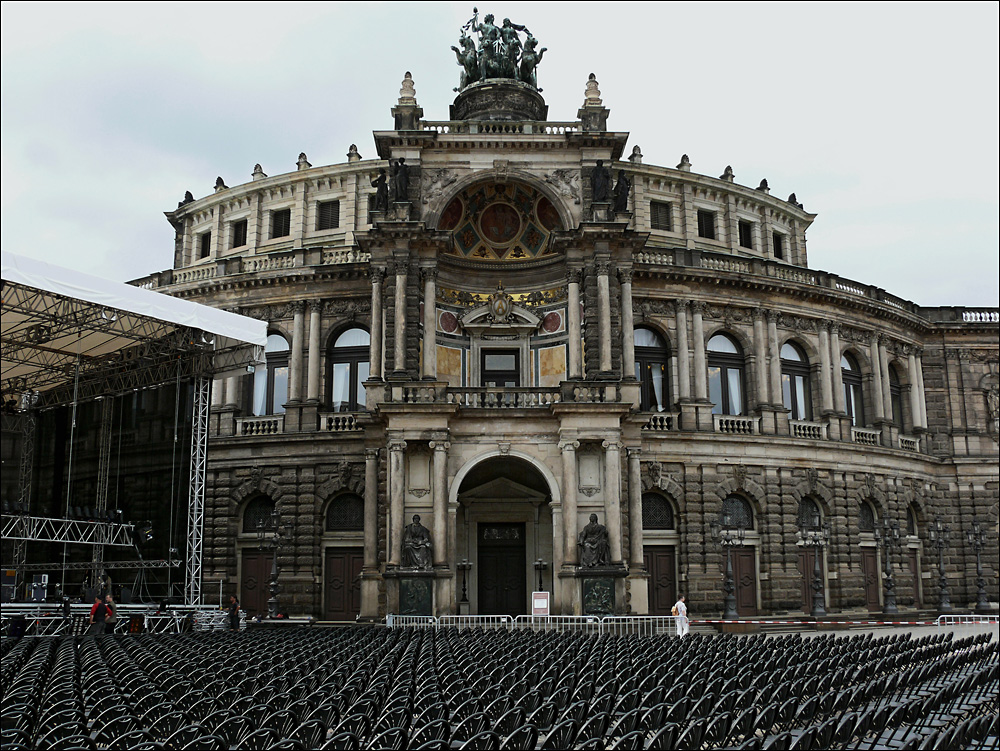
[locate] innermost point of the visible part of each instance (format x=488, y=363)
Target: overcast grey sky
x=883, y=119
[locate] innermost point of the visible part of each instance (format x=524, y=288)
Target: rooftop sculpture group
x=499, y=54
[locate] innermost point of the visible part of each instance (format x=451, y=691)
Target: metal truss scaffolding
x=196, y=494
x=44, y=529
x=108, y=565
x=26, y=468
x=103, y=472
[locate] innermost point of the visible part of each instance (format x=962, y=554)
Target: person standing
x=111, y=616
x=680, y=610
x=234, y=613
x=98, y=614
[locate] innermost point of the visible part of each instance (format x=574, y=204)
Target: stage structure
x=68, y=338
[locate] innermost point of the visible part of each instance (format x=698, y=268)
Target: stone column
x=295, y=361
x=825, y=384
x=911, y=366
x=878, y=398
x=921, y=395
x=371, y=509
x=569, y=501
x=683, y=353
x=440, y=501
x=883, y=367
x=573, y=327
x=700, y=368
x=612, y=498
x=777, y=397
x=312, y=382
x=636, y=560
x=628, y=324
x=604, y=314
x=399, y=356
x=760, y=355
x=430, y=325
x=375, y=348
x=233, y=391
x=397, y=489
x=217, y=396
x=837, y=372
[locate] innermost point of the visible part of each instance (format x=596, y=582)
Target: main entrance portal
x=502, y=588
x=504, y=526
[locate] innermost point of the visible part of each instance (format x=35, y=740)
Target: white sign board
x=540, y=603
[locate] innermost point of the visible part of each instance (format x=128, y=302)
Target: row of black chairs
x=448, y=689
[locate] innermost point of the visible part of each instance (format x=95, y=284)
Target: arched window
x=725, y=375
x=911, y=521
x=349, y=361
x=346, y=513
x=896, y=397
x=737, y=513
x=809, y=514
x=258, y=512
x=866, y=517
x=270, y=380
x=651, y=370
x=795, y=382
x=853, y=399
x=656, y=512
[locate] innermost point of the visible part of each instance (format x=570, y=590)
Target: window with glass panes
x=281, y=223
x=348, y=365
x=270, y=379
x=204, y=244
x=706, y=224
x=659, y=216
x=746, y=234
x=853, y=398
x=238, y=234
x=795, y=382
x=896, y=397
x=725, y=375
x=500, y=368
x=651, y=370
x=328, y=215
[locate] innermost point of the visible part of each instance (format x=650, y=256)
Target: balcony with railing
x=260, y=426
x=866, y=436
x=736, y=424
x=816, y=431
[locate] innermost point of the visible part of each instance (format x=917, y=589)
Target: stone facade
x=503, y=404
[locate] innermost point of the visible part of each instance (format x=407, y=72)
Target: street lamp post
x=976, y=538
x=271, y=535
x=540, y=566
x=889, y=539
x=727, y=535
x=464, y=565
x=817, y=536
x=939, y=534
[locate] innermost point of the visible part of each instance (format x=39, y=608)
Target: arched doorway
x=504, y=526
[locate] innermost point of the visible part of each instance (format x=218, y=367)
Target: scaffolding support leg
x=103, y=473
x=25, y=472
x=196, y=494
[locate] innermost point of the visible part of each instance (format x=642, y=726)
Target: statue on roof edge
x=500, y=52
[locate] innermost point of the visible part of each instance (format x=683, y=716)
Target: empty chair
x=561, y=736
x=524, y=738
x=487, y=740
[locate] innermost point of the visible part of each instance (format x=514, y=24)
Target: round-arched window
x=737, y=513
x=270, y=380
x=258, y=513
x=853, y=400
x=725, y=375
x=349, y=364
x=795, y=382
x=896, y=396
x=346, y=513
x=657, y=513
x=651, y=370
x=809, y=514
x=866, y=517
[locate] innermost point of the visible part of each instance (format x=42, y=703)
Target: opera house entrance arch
x=504, y=525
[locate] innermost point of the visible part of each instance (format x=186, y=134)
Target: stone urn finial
x=303, y=163
x=258, y=173
x=407, y=91
x=592, y=96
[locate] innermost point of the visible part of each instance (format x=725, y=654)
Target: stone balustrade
x=503, y=398
x=257, y=426
x=338, y=422
x=736, y=424
x=816, y=431
x=662, y=422
x=866, y=436
x=907, y=443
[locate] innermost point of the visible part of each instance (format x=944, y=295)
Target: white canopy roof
x=55, y=318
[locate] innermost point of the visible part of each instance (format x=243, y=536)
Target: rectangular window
x=746, y=234
x=779, y=245
x=204, y=244
x=281, y=223
x=659, y=216
x=706, y=224
x=328, y=215
x=238, y=234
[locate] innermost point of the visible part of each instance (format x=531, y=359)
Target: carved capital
x=371, y=455
x=569, y=446
x=757, y=313
x=377, y=274
x=611, y=445
x=439, y=445
x=698, y=307
x=397, y=444
x=773, y=316
x=574, y=276
x=680, y=306
x=625, y=276
x=298, y=306
x=315, y=306
x=603, y=268
x=428, y=274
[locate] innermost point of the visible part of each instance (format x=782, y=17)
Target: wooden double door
x=502, y=578
x=745, y=579
x=661, y=563
x=342, y=583
x=872, y=579
x=255, y=576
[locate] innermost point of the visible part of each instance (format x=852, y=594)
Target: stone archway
x=504, y=525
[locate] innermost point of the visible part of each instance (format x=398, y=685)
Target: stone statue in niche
x=595, y=547
x=401, y=180
x=416, y=546
x=622, y=188
x=600, y=179
x=381, y=192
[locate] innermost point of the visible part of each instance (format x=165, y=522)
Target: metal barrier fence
x=961, y=620
x=18, y=620
x=613, y=625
